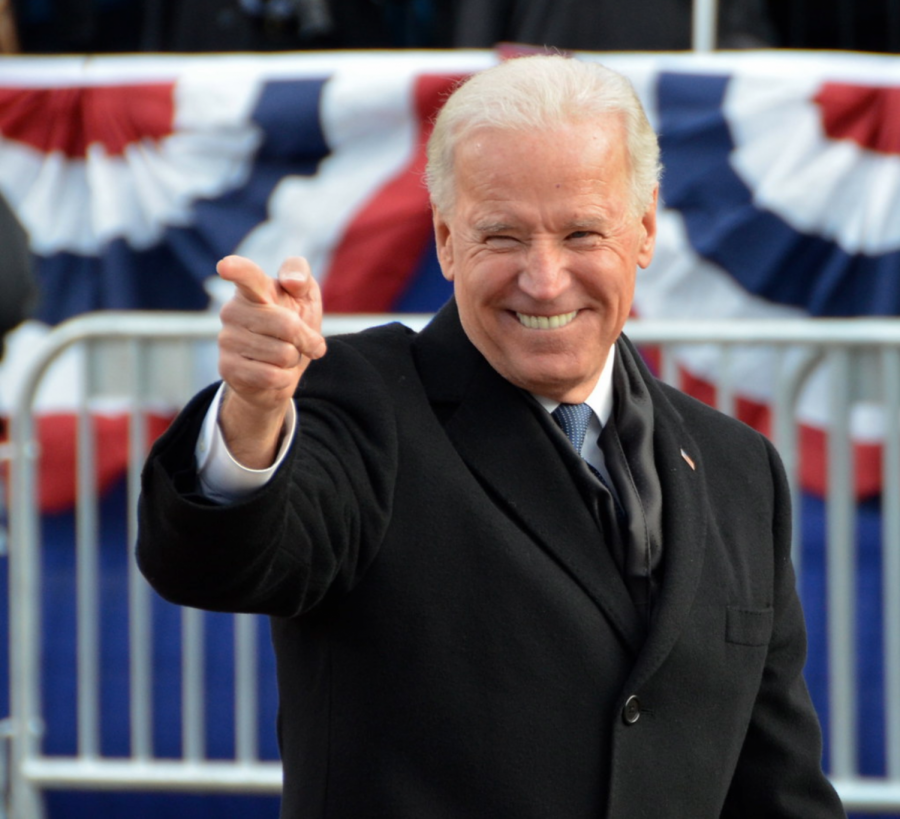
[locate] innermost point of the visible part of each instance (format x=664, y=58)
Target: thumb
x=296, y=280
x=295, y=277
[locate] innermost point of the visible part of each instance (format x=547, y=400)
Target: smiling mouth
x=546, y=322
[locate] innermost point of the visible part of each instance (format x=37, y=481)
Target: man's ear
x=442, y=243
x=648, y=239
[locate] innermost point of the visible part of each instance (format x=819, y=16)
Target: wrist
x=253, y=434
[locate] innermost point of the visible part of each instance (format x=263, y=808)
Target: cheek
x=485, y=281
x=476, y=302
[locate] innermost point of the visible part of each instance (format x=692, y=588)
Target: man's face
x=543, y=252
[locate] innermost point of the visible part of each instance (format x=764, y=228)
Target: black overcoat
x=453, y=638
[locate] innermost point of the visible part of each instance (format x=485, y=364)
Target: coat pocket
x=749, y=627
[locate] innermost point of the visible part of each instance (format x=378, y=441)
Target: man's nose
x=544, y=276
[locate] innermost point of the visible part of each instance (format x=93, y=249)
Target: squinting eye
x=500, y=241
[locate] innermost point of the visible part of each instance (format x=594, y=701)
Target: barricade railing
x=143, y=356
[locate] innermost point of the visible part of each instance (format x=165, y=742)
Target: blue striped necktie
x=573, y=419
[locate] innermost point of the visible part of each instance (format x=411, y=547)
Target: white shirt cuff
x=222, y=478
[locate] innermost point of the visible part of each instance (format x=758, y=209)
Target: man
x=470, y=621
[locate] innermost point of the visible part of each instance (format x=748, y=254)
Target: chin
x=551, y=375
x=556, y=386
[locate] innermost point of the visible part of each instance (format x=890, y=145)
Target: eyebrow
x=493, y=227
x=584, y=224
x=588, y=223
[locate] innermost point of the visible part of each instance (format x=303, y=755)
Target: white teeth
x=546, y=322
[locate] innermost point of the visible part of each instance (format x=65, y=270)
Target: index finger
x=249, y=278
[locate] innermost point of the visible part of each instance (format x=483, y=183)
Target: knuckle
x=285, y=357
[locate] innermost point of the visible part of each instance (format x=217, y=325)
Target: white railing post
x=704, y=25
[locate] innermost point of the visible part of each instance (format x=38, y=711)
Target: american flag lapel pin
x=688, y=460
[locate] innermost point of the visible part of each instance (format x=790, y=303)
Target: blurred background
x=105, y=26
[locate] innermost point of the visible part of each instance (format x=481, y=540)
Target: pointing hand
x=271, y=329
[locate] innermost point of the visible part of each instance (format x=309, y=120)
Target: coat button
x=631, y=713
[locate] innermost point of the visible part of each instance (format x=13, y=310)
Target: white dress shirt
x=222, y=478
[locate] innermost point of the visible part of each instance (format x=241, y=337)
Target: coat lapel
x=512, y=447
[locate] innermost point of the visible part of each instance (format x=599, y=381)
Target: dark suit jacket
x=453, y=638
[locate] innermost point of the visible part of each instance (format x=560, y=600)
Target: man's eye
x=582, y=234
x=500, y=241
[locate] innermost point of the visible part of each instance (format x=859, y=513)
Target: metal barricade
x=797, y=350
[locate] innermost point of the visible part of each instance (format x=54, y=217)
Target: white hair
x=542, y=92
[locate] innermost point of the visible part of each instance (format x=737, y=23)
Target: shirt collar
x=601, y=398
